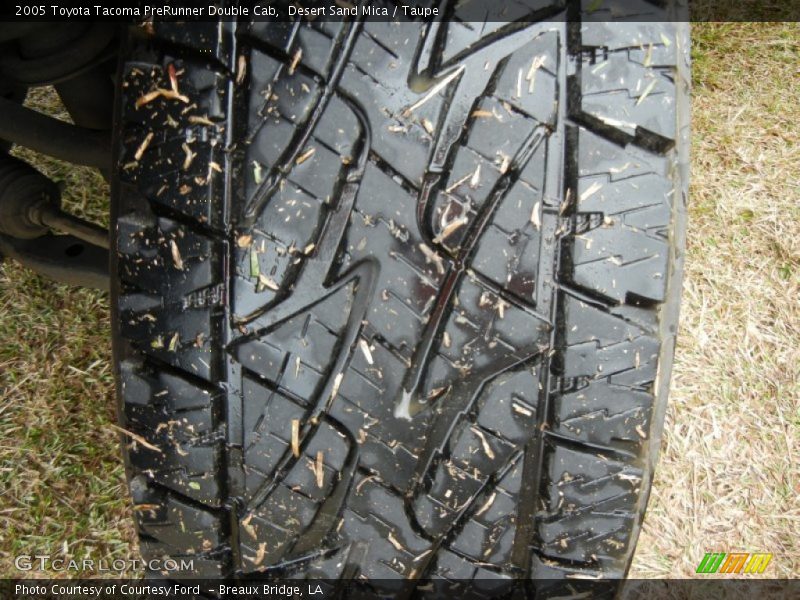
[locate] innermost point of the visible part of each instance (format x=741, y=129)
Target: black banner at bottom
x=275, y=589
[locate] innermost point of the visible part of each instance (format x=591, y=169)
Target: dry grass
x=728, y=478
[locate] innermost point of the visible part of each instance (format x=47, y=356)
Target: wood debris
x=505, y=162
x=394, y=542
x=137, y=438
x=486, y=505
x=432, y=257
x=451, y=228
x=566, y=203
x=261, y=553
x=475, y=180
x=257, y=172
x=296, y=438
x=201, y=120
x=160, y=93
x=364, y=481
x=143, y=146
x=173, y=343
x=618, y=170
x=487, y=449
x=501, y=308
x=248, y=527
x=437, y=392
x=241, y=69
x=318, y=469
x=536, y=218
x=482, y=114
x=337, y=381
x=187, y=161
x=434, y=90
x=305, y=156
x=521, y=410
x=268, y=282
x=255, y=264
x=173, y=78
x=362, y=343
x=591, y=190
x=648, y=57
x=646, y=91
x=295, y=60
x=536, y=64
x=176, y=255
x=423, y=555
x=458, y=182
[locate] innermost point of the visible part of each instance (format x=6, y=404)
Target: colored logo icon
x=734, y=562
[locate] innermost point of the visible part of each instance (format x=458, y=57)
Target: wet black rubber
x=398, y=300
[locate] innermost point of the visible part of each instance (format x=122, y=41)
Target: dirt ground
x=728, y=476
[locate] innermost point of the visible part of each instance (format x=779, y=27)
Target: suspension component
x=55, y=138
x=30, y=205
x=22, y=190
x=63, y=258
x=49, y=53
x=29, y=208
x=77, y=59
x=55, y=218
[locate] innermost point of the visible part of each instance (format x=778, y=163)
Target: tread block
x=507, y=407
x=271, y=252
x=625, y=259
x=174, y=166
x=591, y=500
x=483, y=336
x=528, y=82
x=175, y=418
x=297, y=354
x=601, y=345
x=627, y=83
x=179, y=530
x=294, y=499
x=167, y=259
x=600, y=413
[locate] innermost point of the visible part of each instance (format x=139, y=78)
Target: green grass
x=728, y=478
x=61, y=474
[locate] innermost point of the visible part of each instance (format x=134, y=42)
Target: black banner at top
x=399, y=10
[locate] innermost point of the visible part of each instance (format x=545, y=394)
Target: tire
x=395, y=304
